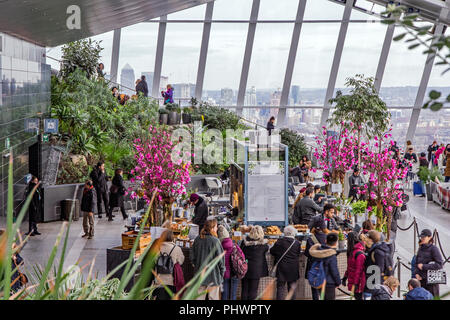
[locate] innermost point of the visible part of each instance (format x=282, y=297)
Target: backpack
x=239, y=265
x=388, y=264
x=316, y=275
x=164, y=264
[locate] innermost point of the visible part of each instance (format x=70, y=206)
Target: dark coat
x=288, y=268
x=89, y=200
x=202, y=249
x=200, y=213
x=381, y=292
x=270, y=127
x=35, y=204
x=142, y=87
x=430, y=150
x=255, y=254
x=328, y=256
x=419, y=293
x=305, y=209
x=430, y=257
x=377, y=256
x=116, y=199
x=99, y=180
x=322, y=238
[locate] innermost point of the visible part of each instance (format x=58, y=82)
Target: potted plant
x=359, y=208
x=341, y=238
x=172, y=109
x=424, y=176
x=186, y=116
x=163, y=116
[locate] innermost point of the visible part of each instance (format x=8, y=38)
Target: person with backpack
x=318, y=235
x=206, y=248
x=254, y=247
x=230, y=281
x=117, y=192
x=169, y=255
x=286, y=252
x=416, y=292
x=386, y=290
x=428, y=258
x=378, y=254
x=356, y=259
x=88, y=202
x=324, y=272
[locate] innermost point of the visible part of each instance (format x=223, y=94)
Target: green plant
x=178, y=110
x=163, y=111
x=435, y=173
x=362, y=109
x=438, y=44
x=172, y=107
x=81, y=54
x=424, y=174
x=187, y=110
x=341, y=236
x=296, y=145
x=359, y=207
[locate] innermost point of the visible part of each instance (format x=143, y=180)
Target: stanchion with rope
x=399, y=275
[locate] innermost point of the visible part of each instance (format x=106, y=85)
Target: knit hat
x=222, y=232
x=194, y=197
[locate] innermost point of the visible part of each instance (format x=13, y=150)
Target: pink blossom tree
x=383, y=191
x=156, y=171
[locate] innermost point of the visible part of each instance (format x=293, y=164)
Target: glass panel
x=260, y=115
x=232, y=9
x=404, y=69
x=323, y=10
x=194, y=13
x=432, y=126
x=224, y=63
x=281, y=10
x=305, y=121
x=313, y=63
x=400, y=122
x=137, y=55
x=268, y=63
x=370, y=8
x=181, y=54
x=362, y=49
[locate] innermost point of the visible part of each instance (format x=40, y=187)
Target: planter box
x=129, y=238
x=172, y=118
x=186, y=118
x=163, y=118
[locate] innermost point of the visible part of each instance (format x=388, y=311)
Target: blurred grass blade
x=9, y=232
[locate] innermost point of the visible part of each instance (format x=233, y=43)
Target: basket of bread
x=301, y=227
x=273, y=231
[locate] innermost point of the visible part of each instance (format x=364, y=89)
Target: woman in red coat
x=355, y=273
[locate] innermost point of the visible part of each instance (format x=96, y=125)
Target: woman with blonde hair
x=205, y=249
x=386, y=290
x=254, y=248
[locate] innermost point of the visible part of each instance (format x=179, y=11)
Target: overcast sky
x=271, y=47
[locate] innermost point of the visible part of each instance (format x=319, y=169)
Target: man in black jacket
x=306, y=208
x=34, y=207
x=99, y=179
x=142, y=87
x=200, y=211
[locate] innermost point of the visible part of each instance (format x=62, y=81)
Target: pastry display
x=273, y=231
x=301, y=227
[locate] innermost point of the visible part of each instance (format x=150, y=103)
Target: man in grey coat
x=306, y=208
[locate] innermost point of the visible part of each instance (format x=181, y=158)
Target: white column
x=159, y=56
x=115, y=56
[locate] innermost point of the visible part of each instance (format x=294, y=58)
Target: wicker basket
x=128, y=239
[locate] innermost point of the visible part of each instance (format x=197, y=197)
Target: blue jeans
x=230, y=288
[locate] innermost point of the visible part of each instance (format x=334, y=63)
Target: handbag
x=273, y=272
x=436, y=277
x=22, y=277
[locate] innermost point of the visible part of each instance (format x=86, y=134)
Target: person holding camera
x=355, y=181
x=117, y=191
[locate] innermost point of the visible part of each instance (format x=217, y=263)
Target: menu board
x=266, y=198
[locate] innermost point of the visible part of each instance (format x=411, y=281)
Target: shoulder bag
x=273, y=272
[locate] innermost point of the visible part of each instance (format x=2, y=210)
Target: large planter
x=186, y=118
x=429, y=194
x=163, y=117
x=178, y=118
x=341, y=244
x=172, y=118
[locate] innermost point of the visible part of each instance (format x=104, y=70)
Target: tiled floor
x=108, y=234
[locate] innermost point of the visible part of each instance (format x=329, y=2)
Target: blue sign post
x=51, y=125
x=32, y=125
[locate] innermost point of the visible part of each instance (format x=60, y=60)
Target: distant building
x=295, y=94
x=163, y=83
x=250, y=97
x=127, y=80
x=149, y=79
x=275, y=98
x=183, y=90
x=226, y=97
